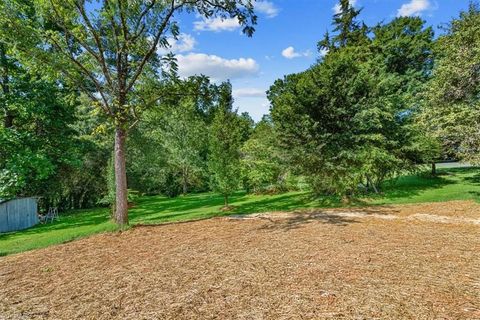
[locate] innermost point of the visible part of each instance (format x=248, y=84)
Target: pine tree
x=345, y=23
x=346, y=28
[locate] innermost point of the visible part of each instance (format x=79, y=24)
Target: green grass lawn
x=451, y=184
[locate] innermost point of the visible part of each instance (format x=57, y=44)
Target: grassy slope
x=452, y=184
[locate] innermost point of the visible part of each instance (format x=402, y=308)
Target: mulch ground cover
x=396, y=262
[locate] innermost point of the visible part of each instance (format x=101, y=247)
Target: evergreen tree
x=348, y=120
x=345, y=23
x=346, y=28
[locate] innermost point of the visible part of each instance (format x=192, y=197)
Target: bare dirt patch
x=333, y=264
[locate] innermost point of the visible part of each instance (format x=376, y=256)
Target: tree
x=177, y=121
x=348, y=30
x=36, y=112
x=106, y=51
x=247, y=125
x=348, y=120
x=184, y=139
x=261, y=160
x=6, y=65
x=451, y=110
x=225, y=142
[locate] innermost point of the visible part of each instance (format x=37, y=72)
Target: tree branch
x=101, y=57
x=83, y=70
x=152, y=49
x=140, y=18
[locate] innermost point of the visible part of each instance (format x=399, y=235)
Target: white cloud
x=249, y=93
x=216, y=24
x=219, y=24
x=414, y=8
x=336, y=9
x=290, y=53
x=267, y=8
x=218, y=68
x=184, y=43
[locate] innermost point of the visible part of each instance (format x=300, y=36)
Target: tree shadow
x=300, y=218
x=406, y=187
x=160, y=209
x=190, y=202
x=473, y=179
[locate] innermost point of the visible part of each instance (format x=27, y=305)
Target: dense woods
x=88, y=104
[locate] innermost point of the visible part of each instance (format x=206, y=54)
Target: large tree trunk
x=121, y=206
x=434, y=169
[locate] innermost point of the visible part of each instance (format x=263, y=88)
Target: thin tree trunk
x=372, y=184
x=185, y=178
x=434, y=169
x=82, y=198
x=225, y=200
x=121, y=203
x=375, y=188
x=184, y=188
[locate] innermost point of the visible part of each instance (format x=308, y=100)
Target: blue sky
x=284, y=41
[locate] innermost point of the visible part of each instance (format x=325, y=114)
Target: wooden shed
x=18, y=214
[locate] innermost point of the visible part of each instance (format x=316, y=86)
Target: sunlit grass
x=451, y=184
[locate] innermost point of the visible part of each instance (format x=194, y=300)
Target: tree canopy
x=451, y=105
x=109, y=52
x=348, y=119
x=88, y=98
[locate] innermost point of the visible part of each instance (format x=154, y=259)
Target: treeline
x=190, y=139
x=380, y=101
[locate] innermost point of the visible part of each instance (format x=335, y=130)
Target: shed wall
x=18, y=214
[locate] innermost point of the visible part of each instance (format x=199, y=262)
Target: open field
x=452, y=184
x=386, y=262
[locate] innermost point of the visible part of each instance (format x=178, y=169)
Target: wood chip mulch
x=398, y=262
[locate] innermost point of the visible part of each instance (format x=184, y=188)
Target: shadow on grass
x=156, y=204
x=159, y=209
x=475, y=193
x=472, y=179
x=407, y=187
x=71, y=220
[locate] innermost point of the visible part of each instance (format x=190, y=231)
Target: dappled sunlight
x=450, y=184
